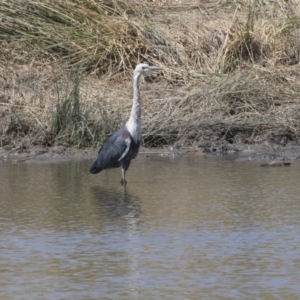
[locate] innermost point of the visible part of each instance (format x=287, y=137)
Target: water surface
x=184, y=228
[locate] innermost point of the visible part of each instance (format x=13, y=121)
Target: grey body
x=123, y=146
x=110, y=155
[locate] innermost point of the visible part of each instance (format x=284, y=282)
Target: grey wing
x=113, y=150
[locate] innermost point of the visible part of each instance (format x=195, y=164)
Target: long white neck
x=133, y=125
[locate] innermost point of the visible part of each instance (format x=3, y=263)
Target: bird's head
x=142, y=68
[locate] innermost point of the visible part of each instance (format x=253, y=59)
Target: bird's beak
x=154, y=68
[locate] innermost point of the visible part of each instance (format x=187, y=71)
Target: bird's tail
x=94, y=168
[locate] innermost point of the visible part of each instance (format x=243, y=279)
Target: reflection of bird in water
x=122, y=146
x=116, y=204
x=115, y=207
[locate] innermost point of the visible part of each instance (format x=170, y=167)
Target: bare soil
x=270, y=153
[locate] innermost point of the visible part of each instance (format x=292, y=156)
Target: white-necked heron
x=123, y=145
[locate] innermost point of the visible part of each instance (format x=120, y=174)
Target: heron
x=123, y=145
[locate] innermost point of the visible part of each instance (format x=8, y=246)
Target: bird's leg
x=123, y=180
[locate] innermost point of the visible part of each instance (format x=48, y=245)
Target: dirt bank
x=268, y=146
x=242, y=152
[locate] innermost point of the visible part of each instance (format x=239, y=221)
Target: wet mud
x=273, y=156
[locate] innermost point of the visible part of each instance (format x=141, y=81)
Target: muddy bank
x=44, y=154
x=268, y=147
x=61, y=153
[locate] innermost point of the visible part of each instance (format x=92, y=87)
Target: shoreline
x=57, y=154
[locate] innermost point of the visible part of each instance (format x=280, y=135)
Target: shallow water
x=185, y=228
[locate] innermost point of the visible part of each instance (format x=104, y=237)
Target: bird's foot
x=123, y=182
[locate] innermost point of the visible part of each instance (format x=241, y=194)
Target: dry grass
x=247, y=103
x=231, y=69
